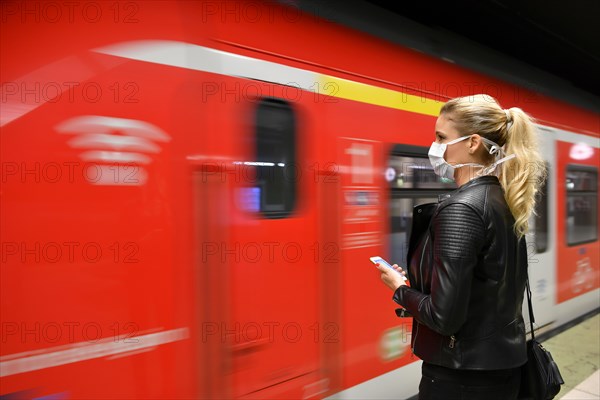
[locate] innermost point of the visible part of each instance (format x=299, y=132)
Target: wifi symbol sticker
x=119, y=148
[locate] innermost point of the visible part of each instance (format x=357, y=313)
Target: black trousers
x=441, y=383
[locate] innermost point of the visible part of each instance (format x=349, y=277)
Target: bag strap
x=528, y=290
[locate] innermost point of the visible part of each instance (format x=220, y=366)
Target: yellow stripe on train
x=370, y=94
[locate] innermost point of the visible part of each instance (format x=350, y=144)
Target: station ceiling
x=560, y=37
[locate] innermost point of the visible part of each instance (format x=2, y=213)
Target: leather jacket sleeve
x=457, y=237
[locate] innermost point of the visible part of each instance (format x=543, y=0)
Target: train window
x=582, y=200
x=540, y=220
x=276, y=173
x=408, y=172
x=412, y=182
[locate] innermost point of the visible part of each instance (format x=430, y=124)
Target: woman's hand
x=392, y=278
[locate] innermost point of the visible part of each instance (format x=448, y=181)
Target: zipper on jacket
x=415, y=338
x=452, y=341
x=420, y=283
x=421, y=262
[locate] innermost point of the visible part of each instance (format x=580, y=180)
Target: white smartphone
x=378, y=260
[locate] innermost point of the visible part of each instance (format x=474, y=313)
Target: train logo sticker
x=116, y=151
x=361, y=164
x=583, y=278
x=361, y=195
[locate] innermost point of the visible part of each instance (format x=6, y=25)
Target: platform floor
x=577, y=353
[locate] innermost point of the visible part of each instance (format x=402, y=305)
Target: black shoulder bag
x=540, y=377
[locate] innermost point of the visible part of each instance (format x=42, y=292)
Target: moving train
x=192, y=190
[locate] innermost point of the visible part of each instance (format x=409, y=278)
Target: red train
x=191, y=191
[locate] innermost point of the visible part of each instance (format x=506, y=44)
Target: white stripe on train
x=81, y=351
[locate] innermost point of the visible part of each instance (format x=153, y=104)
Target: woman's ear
x=474, y=142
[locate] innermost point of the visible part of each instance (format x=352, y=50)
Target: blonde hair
x=521, y=176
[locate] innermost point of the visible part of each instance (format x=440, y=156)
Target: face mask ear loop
x=468, y=164
x=495, y=149
x=493, y=167
x=457, y=140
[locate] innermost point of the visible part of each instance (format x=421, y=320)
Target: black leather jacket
x=466, y=269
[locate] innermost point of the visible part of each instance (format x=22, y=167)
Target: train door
x=411, y=181
x=578, y=249
x=257, y=254
x=541, y=244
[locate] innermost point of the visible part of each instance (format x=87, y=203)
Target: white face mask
x=445, y=170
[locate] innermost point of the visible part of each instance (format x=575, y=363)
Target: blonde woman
x=467, y=260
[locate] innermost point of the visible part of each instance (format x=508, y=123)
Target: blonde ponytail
x=521, y=176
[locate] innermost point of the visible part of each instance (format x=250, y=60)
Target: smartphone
x=378, y=260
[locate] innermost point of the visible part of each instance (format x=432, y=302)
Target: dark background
x=560, y=37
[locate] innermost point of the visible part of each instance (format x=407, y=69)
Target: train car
x=192, y=190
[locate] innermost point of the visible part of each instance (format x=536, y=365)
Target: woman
x=467, y=259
